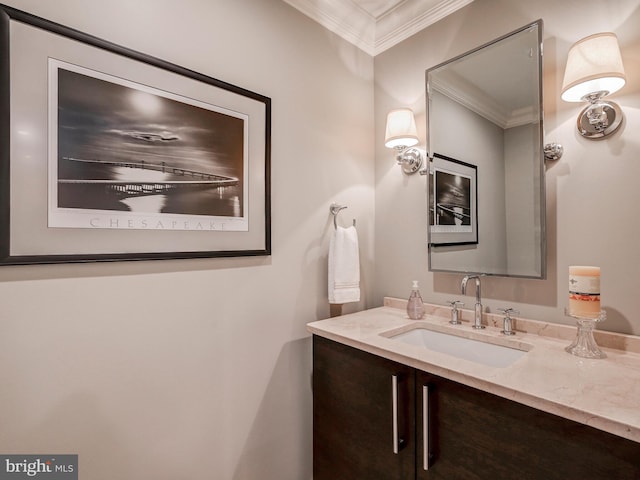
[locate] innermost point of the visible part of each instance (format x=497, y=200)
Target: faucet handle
x=454, y=304
x=507, y=320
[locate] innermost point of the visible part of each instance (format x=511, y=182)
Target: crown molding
x=467, y=95
x=411, y=17
x=374, y=36
x=343, y=18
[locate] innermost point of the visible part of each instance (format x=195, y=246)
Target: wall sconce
x=402, y=134
x=594, y=70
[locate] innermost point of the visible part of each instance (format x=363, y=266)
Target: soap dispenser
x=415, y=307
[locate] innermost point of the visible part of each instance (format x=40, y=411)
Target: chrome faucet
x=508, y=321
x=477, y=323
x=455, y=313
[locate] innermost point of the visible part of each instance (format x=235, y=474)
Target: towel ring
x=335, y=208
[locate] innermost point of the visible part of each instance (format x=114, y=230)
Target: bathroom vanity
x=385, y=408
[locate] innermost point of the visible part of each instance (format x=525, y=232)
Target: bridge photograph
x=450, y=199
x=125, y=148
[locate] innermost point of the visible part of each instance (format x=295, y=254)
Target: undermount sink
x=489, y=354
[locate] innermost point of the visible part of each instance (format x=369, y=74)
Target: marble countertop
x=602, y=393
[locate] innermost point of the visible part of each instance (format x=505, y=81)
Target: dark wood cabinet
x=476, y=435
x=353, y=423
x=470, y=434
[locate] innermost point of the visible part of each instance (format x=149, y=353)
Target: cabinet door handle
x=394, y=411
x=425, y=426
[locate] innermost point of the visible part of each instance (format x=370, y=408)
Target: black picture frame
x=28, y=122
x=453, y=202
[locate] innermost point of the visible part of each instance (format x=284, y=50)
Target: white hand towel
x=344, y=266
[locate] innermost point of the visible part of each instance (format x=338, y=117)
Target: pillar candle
x=584, y=291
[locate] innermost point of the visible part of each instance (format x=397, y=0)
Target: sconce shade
x=401, y=129
x=594, y=65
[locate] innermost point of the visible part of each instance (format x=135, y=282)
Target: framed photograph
x=453, y=202
x=108, y=154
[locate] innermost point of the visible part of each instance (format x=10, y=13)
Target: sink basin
x=460, y=347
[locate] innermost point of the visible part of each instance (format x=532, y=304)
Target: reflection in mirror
x=486, y=175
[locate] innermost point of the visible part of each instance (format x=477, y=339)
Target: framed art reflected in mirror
x=453, y=202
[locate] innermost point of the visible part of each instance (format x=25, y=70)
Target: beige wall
x=199, y=369
x=592, y=192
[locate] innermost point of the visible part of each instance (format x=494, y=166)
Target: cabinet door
x=354, y=418
x=475, y=435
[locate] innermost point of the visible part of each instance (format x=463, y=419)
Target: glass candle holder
x=584, y=344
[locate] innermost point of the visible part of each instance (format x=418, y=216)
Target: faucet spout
x=477, y=323
x=464, y=285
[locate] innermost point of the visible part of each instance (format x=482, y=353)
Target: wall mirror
x=486, y=171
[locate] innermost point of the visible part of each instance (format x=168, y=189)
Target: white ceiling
x=376, y=25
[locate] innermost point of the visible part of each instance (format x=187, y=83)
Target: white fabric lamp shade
x=401, y=129
x=594, y=64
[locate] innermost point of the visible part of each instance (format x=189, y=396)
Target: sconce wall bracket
x=599, y=119
x=410, y=159
x=553, y=152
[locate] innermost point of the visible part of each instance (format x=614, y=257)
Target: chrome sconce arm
x=553, y=152
x=410, y=159
x=600, y=118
